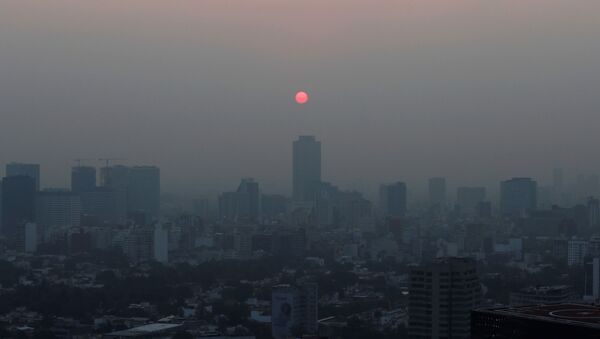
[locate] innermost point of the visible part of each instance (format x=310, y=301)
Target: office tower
x=552, y=321
x=161, y=243
x=294, y=311
x=116, y=180
x=392, y=199
x=469, y=198
x=103, y=205
x=31, y=237
x=249, y=200
x=437, y=193
x=143, y=191
x=593, y=210
x=31, y=170
x=518, y=195
x=58, y=210
x=306, y=168
x=83, y=179
x=243, y=204
x=18, y=204
x=441, y=297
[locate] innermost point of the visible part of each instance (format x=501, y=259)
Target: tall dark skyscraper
x=18, y=203
x=143, y=191
x=306, y=168
x=249, y=193
x=392, y=199
x=437, y=193
x=518, y=195
x=30, y=170
x=83, y=179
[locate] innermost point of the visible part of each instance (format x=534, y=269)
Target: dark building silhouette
x=18, y=204
x=306, y=168
x=392, y=199
x=518, y=195
x=83, y=179
x=31, y=170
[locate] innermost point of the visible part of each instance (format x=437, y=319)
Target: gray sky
x=474, y=90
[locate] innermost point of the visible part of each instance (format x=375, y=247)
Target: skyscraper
x=518, y=195
x=143, y=191
x=306, y=168
x=30, y=170
x=437, y=193
x=392, y=199
x=18, y=203
x=442, y=295
x=249, y=195
x=58, y=210
x=83, y=179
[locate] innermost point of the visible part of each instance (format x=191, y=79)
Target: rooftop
x=144, y=330
x=575, y=314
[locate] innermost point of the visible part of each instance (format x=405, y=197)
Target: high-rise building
x=437, y=193
x=442, y=295
x=294, y=311
x=161, y=243
x=243, y=204
x=137, y=189
x=31, y=170
x=392, y=199
x=518, y=195
x=143, y=191
x=103, y=205
x=58, y=210
x=249, y=195
x=593, y=209
x=31, y=237
x=115, y=179
x=83, y=179
x=18, y=204
x=469, y=198
x=306, y=168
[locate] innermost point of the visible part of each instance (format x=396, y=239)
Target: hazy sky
x=476, y=90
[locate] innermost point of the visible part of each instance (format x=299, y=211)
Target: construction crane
x=104, y=171
x=108, y=160
x=79, y=160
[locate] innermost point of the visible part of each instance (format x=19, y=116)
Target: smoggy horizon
x=473, y=91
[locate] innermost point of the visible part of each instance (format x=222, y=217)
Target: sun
x=301, y=97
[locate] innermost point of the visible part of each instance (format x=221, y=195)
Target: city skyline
x=481, y=90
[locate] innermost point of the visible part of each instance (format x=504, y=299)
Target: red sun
x=301, y=97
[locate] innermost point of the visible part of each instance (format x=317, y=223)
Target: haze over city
x=472, y=90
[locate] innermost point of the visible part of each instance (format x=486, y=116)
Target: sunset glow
x=301, y=97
